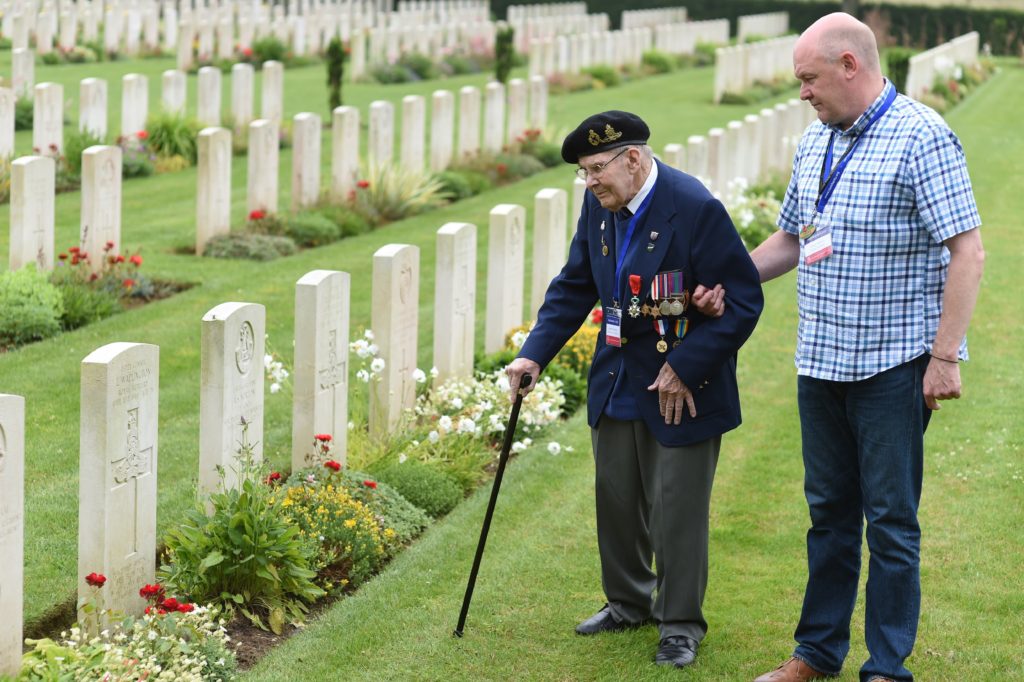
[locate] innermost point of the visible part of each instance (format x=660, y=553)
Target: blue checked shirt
x=875, y=302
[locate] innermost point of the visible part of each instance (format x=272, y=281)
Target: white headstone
x=675, y=156
x=32, y=201
x=272, y=93
x=442, y=126
x=494, y=117
x=186, y=35
x=48, y=119
x=118, y=471
x=173, y=94
x=469, y=121
x=579, y=194
x=208, y=109
x=134, y=103
x=101, y=201
x=395, y=323
x=213, y=186
x=8, y=102
x=455, y=301
x=381, y=136
x=538, y=103
x=241, y=96
x=305, y=160
x=697, y=157
x=263, y=166
x=320, y=378
x=344, y=152
x=23, y=69
x=12, y=530
x=550, y=242
x=506, y=252
x=716, y=163
x=516, y=109
x=92, y=106
x=413, y=126
x=230, y=392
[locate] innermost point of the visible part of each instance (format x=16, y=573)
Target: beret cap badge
x=610, y=135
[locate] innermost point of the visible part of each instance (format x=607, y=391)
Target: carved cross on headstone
x=462, y=311
x=127, y=470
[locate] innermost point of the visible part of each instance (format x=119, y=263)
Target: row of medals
x=669, y=306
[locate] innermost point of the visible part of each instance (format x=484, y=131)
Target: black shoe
x=603, y=621
x=677, y=650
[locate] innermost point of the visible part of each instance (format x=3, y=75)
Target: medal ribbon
x=830, y=176
x=621, y=249
x=682, y=326
x=659, y=326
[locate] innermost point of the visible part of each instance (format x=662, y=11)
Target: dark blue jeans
x=863, y=448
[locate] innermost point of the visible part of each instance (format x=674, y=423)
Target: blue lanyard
x=830, y=176
x=620, y=253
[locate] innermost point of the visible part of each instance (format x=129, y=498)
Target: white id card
x=817, y=244
x=613, y=326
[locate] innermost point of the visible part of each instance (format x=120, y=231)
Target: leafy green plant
x=421, y=65
x=268, y=48
x=312, y=229
x=170, y=134
x=504, y=53
x=455, y=185
x=349, y=222
x=431, y=490
x=245, y=245
x=76, y=142
x=136, y=159
x=265, y=222
x=387, y=74
x=335, y=69
x=30, y=307
x=898, y=61
x=607, y=75
x=245, y=555
x=24, y=113
x=658, y=61
x=84, y=305
x=393, y=192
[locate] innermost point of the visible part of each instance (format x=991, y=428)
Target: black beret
x=604, y=131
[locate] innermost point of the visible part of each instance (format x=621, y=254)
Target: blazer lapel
x=658, y=220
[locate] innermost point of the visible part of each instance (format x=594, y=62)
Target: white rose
x=445, y=423
x=419, y=375
x=554, y=448
x=377, y=366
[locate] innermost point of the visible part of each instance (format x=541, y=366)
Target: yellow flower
x=350, y=523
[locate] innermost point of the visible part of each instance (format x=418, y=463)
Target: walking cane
x=506, y=447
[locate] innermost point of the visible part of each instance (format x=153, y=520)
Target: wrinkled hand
x=515, y=371
x=709, y=302
x=941, y=382
x=672, y=394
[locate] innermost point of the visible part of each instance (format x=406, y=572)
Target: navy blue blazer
x=695, y=235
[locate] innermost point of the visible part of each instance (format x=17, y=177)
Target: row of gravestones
x=940, y=61
x=767, y=25
x=33, y=177
x=528, y=29
x=120, y=389
x=652, y=18
x=739, y=67
x=48, y=103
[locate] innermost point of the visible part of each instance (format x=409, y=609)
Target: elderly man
x=662, y=388
x=880, y=221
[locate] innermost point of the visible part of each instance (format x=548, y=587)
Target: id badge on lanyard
x=816, y=240
x=613, y=326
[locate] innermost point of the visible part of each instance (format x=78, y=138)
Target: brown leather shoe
x=793, y=670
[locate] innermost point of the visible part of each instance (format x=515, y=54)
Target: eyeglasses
x=598, y=168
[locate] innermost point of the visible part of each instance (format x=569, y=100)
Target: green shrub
x=705, y=53
x=387, y=74
x=269, y=48
x=260, y=247
x=172, y=134
x=312, y=229
x=24, y=112
x=657, y=61
x=433, y=491
x=898, y=60
x=421, y=65
x=455, y=184
x=478, y=182
x=80, y=55
x=350, y=223
x=84, y=305
x=394, y=192
x=243, y=555
x=574, y=387
x=30, y=307
x=50, y=58
x=460, y=65
x=512, y=167
x=335, y=70
x=76, y=142
x=606, y=74
x=262, y=222
x=504, y=53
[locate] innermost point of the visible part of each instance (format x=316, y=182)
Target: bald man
x=880, y=221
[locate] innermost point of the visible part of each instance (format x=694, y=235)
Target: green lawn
x=540, y=575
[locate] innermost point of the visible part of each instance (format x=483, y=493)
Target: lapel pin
x=650, y=247
x=654, y=235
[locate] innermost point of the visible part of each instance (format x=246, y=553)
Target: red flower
x=257, y=214
x=142, y=135
x=332, y=465
x=63, y=256
x=53, y=147
x=597, y=317
x=74, y=249
x=370, y=484
x=363, y=184
x=129, y=283
x=75, y=260
x=273, y=477
x=149, y=610
x=93, y=277
x=136, y=260
x=119, y=259
x=96, y=579
x=186, y=608
x=323, y=437
x=150, y=591
x=171, y=604
x=247, y=52
x=109, y=246
x=502, y=169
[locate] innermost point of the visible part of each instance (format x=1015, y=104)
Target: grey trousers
x=653, y=500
